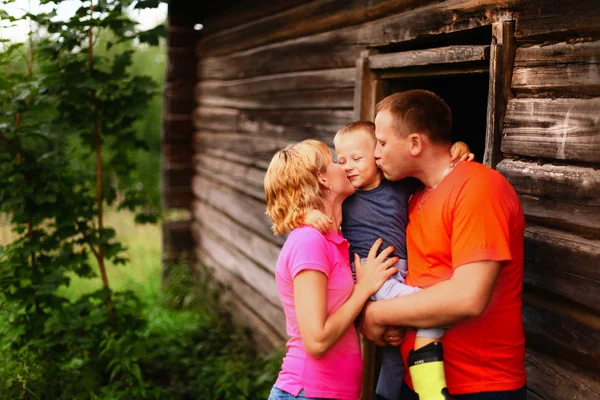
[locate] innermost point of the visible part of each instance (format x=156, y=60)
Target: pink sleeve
x=309, y=252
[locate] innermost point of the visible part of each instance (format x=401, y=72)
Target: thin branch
x=89, y=242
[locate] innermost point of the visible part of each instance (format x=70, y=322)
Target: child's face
x=355, y=153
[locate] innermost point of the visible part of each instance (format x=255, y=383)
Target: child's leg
x=428, y=336
x=426, y=365
x=391, y=374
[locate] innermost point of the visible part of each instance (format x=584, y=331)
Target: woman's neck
x=334, y=211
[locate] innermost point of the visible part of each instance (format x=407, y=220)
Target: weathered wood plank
x=540, y=20
x=216, y=119
x=178, y=176
x=293, y=125
x=337, y=98
x=439, y=55
x=235, y=262
x=572, y=184
x=563, y=129
x=532, y=395
x=368, y=90
x=501, y=65
x=273, y=327
x=329, y=50
x=435, y=70
x=557, y=196
x=245, y=178
x=177, y=197
x=566, y=80
x=240, y=292
x=551, y=330
x=177, y=243
x=231, y=16
x=552, y=378
x=244, y=209
x=560, y=68
x=260, y=147
x=559, y=53
x=177, y=127
x=330, y=89
x=238, y=158
x=574, y=287
x=312, y=17
x=179, y=96
x=561, y=215
x=260, y=251
x=552, y=250
x=333, y=78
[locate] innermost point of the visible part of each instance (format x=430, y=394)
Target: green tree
x=66, y=105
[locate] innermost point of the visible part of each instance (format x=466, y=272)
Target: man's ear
x=415, y=141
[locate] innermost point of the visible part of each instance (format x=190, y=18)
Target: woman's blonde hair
x=291, y=185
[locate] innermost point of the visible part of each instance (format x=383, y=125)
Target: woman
x=314, y=280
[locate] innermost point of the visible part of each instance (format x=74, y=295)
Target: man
x=465, y=247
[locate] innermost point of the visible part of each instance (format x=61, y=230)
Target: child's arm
x=460, y=152
x=319, y=221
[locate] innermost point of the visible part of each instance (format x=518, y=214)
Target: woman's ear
x=323, y=180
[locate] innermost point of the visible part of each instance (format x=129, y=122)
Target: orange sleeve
x=481, y=222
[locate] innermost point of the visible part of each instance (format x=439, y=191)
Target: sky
x=147, y=18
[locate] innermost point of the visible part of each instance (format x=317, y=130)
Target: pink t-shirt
x=337, y=375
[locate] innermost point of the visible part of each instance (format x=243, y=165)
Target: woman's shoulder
x=305, y=233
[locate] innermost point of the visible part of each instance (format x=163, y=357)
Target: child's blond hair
x=365, y=127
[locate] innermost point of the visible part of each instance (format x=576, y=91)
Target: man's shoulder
x=479, y=176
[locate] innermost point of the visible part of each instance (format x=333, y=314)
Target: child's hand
x=460, y=152
x=319, y=221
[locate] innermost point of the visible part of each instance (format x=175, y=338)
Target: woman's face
x=338, y=181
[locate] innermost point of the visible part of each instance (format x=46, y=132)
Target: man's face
x=392, y=152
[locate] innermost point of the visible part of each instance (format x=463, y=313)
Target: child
x=379, y=209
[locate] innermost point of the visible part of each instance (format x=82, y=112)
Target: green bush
x=144, y=351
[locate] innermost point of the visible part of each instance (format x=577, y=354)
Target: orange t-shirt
x=474, y=214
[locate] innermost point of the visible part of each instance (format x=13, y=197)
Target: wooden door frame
x=371, y=74
x=370, y=89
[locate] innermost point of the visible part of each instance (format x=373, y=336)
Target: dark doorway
x=467, y=96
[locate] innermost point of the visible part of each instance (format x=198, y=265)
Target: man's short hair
x=420, y=110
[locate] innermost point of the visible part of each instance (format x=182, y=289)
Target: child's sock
x=426, y=367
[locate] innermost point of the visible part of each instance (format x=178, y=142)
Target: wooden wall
x=269, y=74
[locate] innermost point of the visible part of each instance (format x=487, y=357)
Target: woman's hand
x=460, y=152
x=393, y=336
x=319, y=221
x=376, y=269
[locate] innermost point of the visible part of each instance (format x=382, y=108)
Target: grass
x=143, y=272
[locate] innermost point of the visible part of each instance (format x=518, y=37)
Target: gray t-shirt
x=378, y=213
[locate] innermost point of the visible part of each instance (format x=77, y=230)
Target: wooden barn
x=522, y=77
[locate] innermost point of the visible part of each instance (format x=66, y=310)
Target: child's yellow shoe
x=426, y=367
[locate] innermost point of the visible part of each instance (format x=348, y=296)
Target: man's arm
x=465, y=295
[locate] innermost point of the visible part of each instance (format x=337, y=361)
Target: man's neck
x=436, y=166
